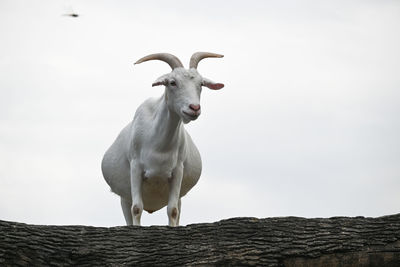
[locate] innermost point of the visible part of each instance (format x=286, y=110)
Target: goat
x=154, y=162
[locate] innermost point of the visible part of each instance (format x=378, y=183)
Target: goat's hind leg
x=126, y=209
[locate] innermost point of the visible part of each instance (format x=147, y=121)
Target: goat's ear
x=212, y=85
x=163, y=80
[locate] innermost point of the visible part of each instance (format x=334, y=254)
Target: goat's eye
x=172, y=83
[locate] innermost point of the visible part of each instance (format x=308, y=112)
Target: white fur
x=154, y=162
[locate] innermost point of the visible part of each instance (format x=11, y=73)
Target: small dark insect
x=70, y=12
x=72, y=15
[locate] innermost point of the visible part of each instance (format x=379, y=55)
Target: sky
x=306, y=125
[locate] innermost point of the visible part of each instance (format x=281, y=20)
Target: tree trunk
x=289, y=241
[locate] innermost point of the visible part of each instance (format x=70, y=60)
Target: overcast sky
x=307, y=124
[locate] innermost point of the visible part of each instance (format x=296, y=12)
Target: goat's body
x=155, y=142
x=154, y=162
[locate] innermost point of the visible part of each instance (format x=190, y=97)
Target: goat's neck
x=167, y=126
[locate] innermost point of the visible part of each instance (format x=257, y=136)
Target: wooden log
x=287, y=241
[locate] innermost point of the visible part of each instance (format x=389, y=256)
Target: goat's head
x=183, y=86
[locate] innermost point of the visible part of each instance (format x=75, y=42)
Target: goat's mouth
x=191, y=116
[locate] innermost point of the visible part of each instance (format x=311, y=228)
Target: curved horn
x=196, y=57
x=172, y=60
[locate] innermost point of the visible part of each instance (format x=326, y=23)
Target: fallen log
x=286, y=241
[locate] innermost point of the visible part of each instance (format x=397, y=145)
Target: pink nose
x=194, y=107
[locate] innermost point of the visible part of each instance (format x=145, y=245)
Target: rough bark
x=289, y=241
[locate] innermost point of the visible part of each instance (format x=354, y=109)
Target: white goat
x=154, y=162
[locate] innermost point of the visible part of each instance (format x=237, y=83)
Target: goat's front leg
x=173, y=208
x=179, y=209
x=136, y=192
x=126, y=205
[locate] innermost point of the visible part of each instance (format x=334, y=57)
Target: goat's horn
x=196, y=57
x=172, y=60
